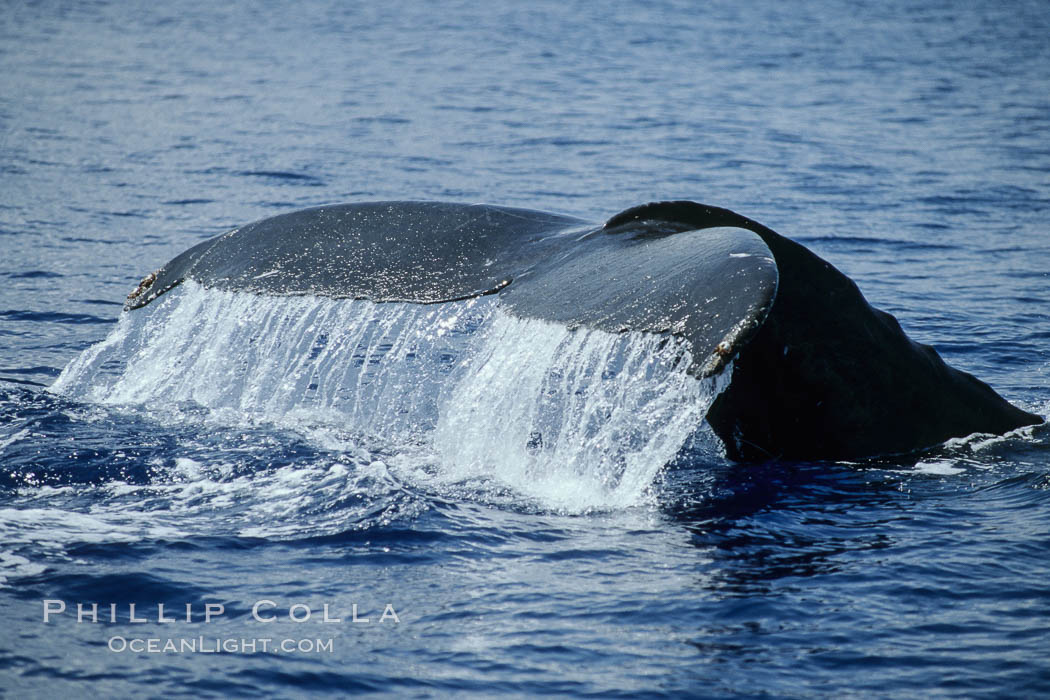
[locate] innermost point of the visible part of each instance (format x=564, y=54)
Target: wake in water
x=572, y=419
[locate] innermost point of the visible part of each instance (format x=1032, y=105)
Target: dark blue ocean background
x=907, y=143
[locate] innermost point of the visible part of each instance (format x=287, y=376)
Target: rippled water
x=907, y=145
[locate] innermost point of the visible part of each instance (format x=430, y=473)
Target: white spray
x=575, y=419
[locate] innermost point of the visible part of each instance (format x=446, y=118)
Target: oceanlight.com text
x=218, y=645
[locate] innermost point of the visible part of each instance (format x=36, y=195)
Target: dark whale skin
x=713, y=287
x=818, y=373
x=828, y=376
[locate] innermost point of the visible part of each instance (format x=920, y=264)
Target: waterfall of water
x=573, y=418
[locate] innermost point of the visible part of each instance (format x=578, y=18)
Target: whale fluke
x=817, y=372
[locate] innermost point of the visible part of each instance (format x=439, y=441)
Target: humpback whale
x=817, y=373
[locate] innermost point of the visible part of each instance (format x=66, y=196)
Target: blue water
x=906, y=144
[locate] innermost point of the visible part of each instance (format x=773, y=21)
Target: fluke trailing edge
x=817, y=372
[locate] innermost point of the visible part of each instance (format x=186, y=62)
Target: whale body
x=817, y=373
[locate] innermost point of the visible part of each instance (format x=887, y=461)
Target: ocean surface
x=515, y=509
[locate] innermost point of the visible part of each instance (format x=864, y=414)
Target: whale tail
x=817, y=372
